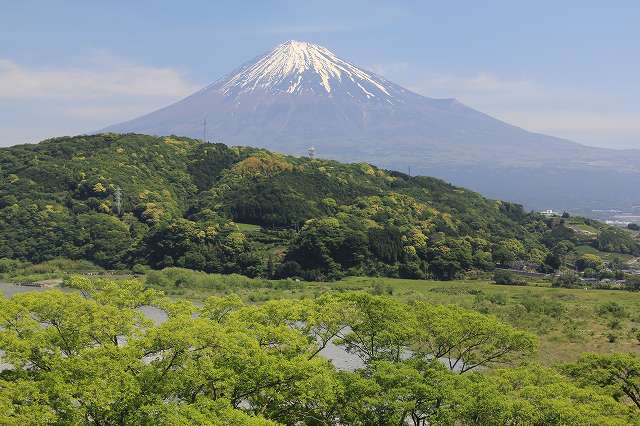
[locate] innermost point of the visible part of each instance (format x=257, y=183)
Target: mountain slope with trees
x=237, y=209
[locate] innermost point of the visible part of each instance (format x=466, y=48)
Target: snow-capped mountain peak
x=296, y=67
x=300, y=95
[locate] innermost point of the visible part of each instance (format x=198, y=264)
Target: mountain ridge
x=301, y=94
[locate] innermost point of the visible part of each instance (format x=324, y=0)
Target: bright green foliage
x=541, y=397
x=380, y=328
x=468, y=339
x=89, y=356
x=508, y=251
x=590, y=261
x=390, y=393
x=203, y=412
x=618, y=373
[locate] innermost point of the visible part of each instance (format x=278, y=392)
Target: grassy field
x=567, y=321
x=247, y=227
x=17, y=271
x=584, y=249
x=584, y=228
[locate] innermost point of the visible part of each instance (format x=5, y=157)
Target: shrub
x=158, y=279
x=589, y=261
x=289, y=269
x=140, y=269
x=377, y=288
x=412, y=270
x=501, y=276
x=614, y=324
x=632, y=282
x=545, y=306
x=566, y=278
x=8, y=265
x=606, y=274
x=498, y=298
x=617, y=241
x=613, y=309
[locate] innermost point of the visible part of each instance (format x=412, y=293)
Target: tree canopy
x=90, y=356
x=189, y=204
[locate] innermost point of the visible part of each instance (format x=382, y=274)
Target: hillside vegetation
x=244, y=210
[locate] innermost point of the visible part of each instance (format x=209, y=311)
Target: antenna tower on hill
x=118, y=196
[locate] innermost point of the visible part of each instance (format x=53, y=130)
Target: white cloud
x=110, y=78
x=47, y=101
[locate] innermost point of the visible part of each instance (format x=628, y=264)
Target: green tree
x=538, y=396
x=91, y=357
x=590, y=261
x=107, y=238
x=380, y=328
x=389, y=393
x=618, y=374
x=566, y=278
x=467, y=339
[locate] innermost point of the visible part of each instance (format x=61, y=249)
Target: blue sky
x=568, y=68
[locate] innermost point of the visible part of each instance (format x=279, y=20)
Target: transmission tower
x=204, y=131
x=312, y=152
x=118, y=196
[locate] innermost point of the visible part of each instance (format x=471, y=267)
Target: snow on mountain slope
x=296, y=67
x=297, y=89
x=301, y=94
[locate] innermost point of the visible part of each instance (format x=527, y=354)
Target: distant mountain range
x=301, y=95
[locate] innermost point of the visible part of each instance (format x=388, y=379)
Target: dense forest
x=126, y=201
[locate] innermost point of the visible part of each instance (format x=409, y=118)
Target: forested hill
x=196, y=205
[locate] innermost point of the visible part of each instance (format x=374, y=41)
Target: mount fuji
x=301, y=95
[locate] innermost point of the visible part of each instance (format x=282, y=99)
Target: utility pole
x=118, y=196
x=204, y=130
